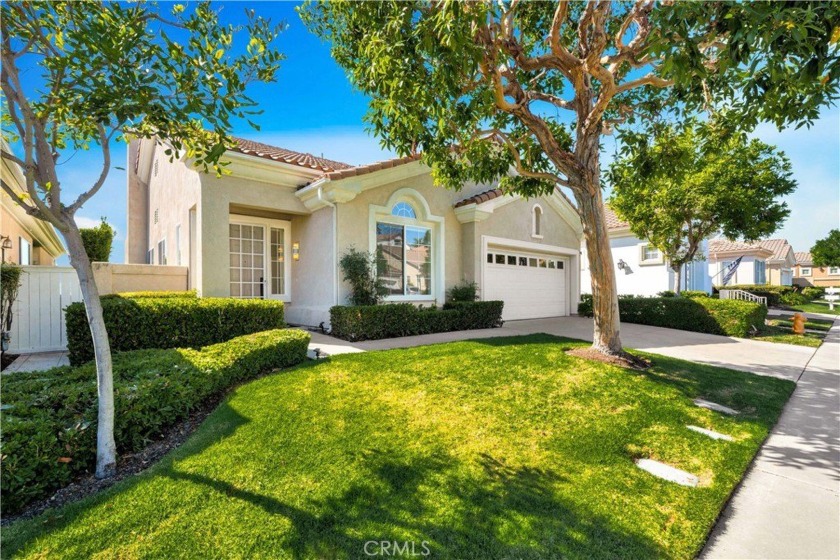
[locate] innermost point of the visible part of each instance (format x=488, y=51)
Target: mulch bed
x=627, y=361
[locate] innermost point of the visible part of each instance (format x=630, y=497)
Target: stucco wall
x=173, y=190
x=10, y=227
x=354, y=225
x=637, y=279
x=251, y=198
x=112, y=278
x=315, y=274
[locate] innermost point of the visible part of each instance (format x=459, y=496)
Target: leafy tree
x=97, y=241
x=826, y=251
x=687, y=183
x=485, y=87
x=98, y=71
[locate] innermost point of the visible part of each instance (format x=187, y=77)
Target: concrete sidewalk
x=38, y=362
x=788, y=505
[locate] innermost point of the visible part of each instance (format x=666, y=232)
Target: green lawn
x=814, y=324
x=786, y=336
x=817, y=307
x=501, y=448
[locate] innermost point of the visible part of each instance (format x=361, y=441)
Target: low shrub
x=793, y=298
x=697, y=314
x=667, y=293
x=49, y=418
x=693, y=293
x=813, y=292
x=156, y=295
x=468, y=291
x=135, y=323
x=373, y=322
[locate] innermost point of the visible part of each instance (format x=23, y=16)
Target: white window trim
x=805, y=271
x=268, y=223
x=534, y=233
x=23, y=242
x=161, y=253
x=178, y=245
x=648, y=262
x=834, y=270
x=426, y=219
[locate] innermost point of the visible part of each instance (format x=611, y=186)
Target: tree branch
x=106, y=167
x=649, y=80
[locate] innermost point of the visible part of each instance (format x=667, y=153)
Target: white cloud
x=85, y=222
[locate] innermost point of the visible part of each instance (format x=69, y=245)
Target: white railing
x=743, y=295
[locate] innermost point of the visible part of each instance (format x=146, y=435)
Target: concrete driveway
x=763, y=358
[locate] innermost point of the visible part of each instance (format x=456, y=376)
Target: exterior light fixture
x=296, y=251
x=621, y=264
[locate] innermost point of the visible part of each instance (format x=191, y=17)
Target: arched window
x=405, y=236
x=536, y=221
x=403, y=210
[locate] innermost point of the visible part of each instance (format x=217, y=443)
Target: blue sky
x=313, y=108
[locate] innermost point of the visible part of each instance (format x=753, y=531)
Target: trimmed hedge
x=698, y=314
x=813, y=292
x=157, y=295
x=49, y=418
x=373, y=322
x=135, y=323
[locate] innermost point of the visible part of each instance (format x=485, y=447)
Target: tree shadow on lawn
x=498, y=512
x=462, y=508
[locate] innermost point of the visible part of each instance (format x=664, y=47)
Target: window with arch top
x=536, y=221
x=404, y=248
x=404, y=210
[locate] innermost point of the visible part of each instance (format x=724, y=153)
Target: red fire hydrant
x=799, y=323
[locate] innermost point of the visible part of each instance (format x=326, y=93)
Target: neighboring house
x=751, y=270
x=806, y=274
x=640, y=267
x=781, y=263
x=33, y=241
x=276, y=225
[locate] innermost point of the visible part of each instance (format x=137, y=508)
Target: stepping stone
x=667, y=472
x=710, y=433
x=715, y=406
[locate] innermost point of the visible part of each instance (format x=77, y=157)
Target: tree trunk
x=106, y=461
x=604, y=292
x=677, y=274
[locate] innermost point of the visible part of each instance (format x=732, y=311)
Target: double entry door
x=259, y=258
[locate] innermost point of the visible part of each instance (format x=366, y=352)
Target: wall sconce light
x=295, y=251
x=621, y=264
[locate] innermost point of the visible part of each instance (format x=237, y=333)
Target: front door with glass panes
x=259, y=267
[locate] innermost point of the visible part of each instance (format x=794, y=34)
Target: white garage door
x=531, y=285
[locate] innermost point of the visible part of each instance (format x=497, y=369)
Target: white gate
x=38, y=323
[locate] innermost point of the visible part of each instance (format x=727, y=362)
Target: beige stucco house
x=781, y=263
x=806, y=274
x=33, y=241
x=276, y=225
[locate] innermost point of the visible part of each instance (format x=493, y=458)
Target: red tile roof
x=481, y=197
x=258, y=149
x=725, y=246
x=779, y=247
x=369, y=167
x=612, y=219
x=804, y=258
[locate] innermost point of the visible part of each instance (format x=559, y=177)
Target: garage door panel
x=528, y=291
